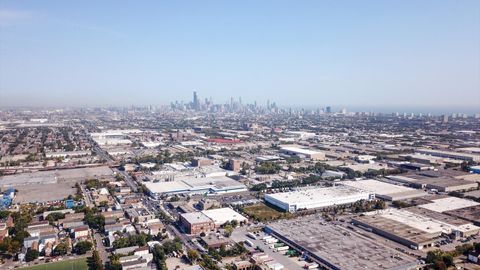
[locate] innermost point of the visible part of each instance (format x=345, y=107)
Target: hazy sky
x=368, y=53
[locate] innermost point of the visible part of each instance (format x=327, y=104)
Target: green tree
x=61, y=249
x=259, y=187
x=208, y=263
x=95, y=221
x=31, y=255
x=159, y=257
x=82, y=247
x=448, y=260
x=95, y=263
x=53, y=217
x=114, y=263
x=192, y=255
x=477, y=246
x=4, y=214
x=228, y=230
x=268, y=168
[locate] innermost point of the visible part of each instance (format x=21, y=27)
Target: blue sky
x=315, y=53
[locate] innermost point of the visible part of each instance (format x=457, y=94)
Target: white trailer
x=271, y=240
x=279, y=249
x=249, y=243
x=266, y=237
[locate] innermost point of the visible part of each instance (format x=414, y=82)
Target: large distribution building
x=335, y=247
x=442, y=184
x=450, y=154
x=317, y=197
x=448, y=204
x=414, y=227
x=297, y=151
x=195, y=185
x=385, y=190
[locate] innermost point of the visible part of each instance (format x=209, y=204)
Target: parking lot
x=290, y=263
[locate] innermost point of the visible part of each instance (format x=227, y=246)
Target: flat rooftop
x=338, y=246
x=473, y=193
x=222, y=215
x=397, y=228
x=166, y=187
x=431, y=179
x=444, y=182
x=196, y=217
x=448, y=204
x=382, y=188
x=316, y=194
x=427, y=222
x=437, y=216
x=191, y=184
x=300, y=150
x=449, y=153
x=471, y=213
x=442, y=173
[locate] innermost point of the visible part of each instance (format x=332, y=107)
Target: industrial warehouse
x=195, y=185
x=471, y=214
x=302, y=152
x=448, y=204
x=311, y=198
x=320, y=242
x=384, y=190
x=441, y=184
x=414, y=227
x=450, y=154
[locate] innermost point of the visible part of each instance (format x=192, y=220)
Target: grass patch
x=76, y=264
x=263, y=212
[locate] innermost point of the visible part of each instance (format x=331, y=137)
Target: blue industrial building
x=6, y=198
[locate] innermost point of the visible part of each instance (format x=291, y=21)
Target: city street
x=100, y=247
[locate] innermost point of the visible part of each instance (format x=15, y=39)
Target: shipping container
x=249, y=243
x=251, y=235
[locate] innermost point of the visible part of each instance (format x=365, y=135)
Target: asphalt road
x=128, y=179
x=101, y=248
x=86, y=194
x=104, y=155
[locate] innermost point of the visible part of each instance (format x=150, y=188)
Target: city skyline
x=205, y=104
x=246, y=135
x=370, y=55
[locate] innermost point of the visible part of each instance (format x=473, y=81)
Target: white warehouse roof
x=222, y=215
x=299, y=150
x=423, y=223
x=385, y=190
x=317, y=197
x=448, y=204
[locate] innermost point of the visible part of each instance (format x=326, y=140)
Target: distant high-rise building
x=445, y=118
x=328, y=109
x=196, y=101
